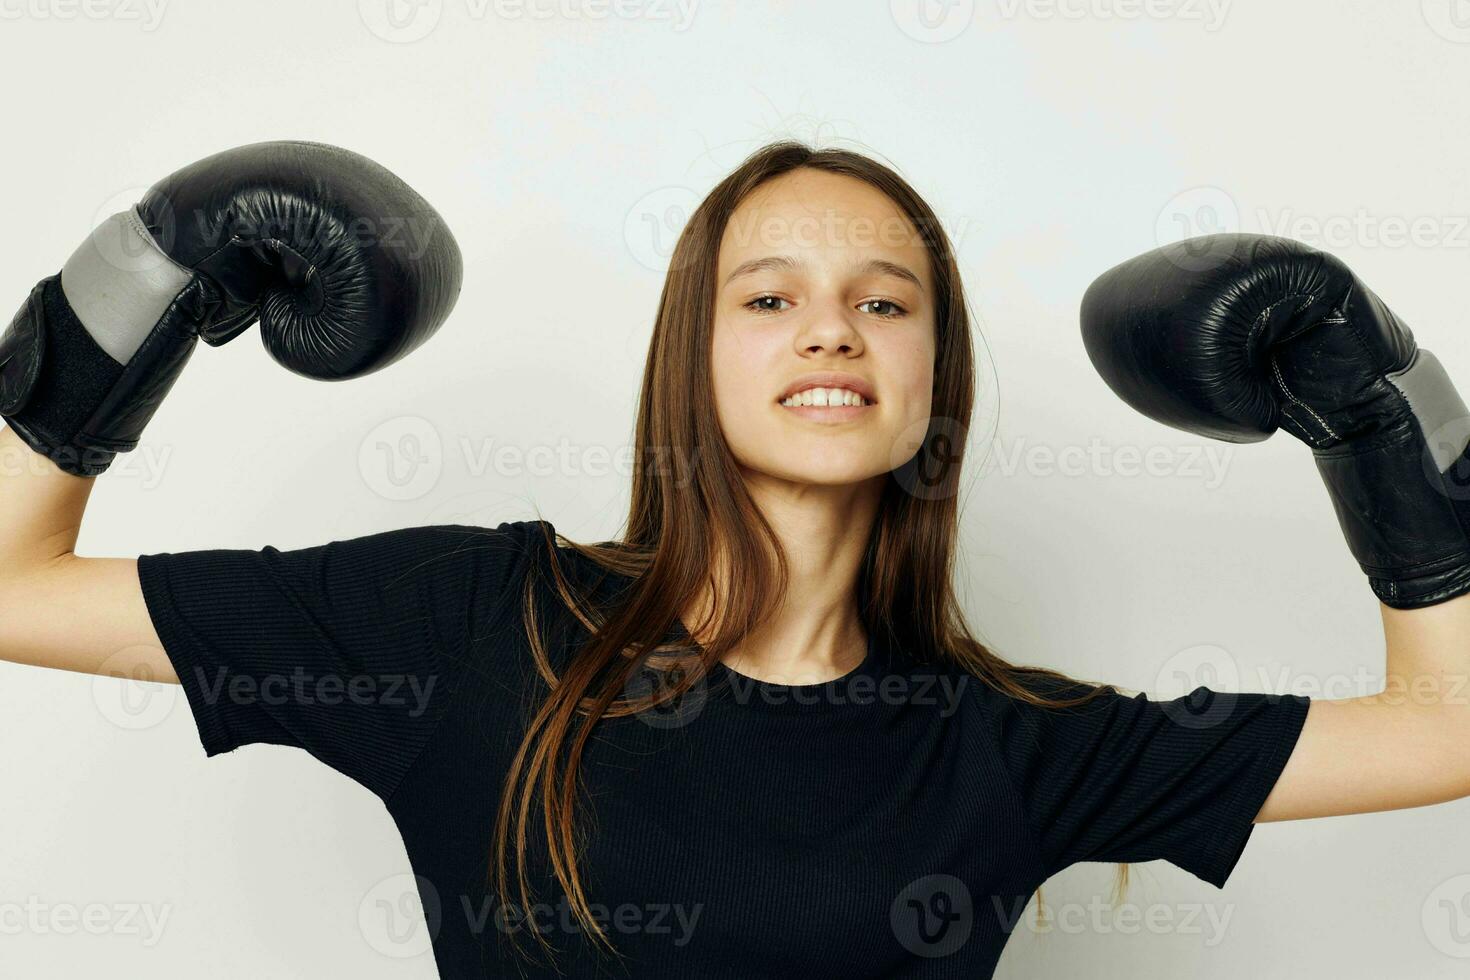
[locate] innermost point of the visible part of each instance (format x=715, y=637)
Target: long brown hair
x=687, y=495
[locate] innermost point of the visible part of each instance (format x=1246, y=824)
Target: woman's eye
x=754, y=304
x=894, y=310
x=886, y=308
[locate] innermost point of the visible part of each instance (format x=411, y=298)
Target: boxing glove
x=345, y=266
x=1235, y=336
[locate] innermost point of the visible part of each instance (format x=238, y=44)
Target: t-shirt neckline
x=829, y=694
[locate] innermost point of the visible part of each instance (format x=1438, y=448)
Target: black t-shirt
x=890, y=823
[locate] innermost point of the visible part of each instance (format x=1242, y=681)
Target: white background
x=563, y=142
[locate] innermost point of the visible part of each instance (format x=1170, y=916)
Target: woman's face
x=822, y=279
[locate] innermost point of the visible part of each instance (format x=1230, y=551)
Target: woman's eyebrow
x=785, y=263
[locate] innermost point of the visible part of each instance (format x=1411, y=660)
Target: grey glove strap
x=120, y=282
x=1437, y=406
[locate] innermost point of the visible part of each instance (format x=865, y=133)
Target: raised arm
x=1234, y=336
x=56, y=609
x=1406, y=746
x=344, y=265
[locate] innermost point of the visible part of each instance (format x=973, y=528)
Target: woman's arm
x=1406, y=746
x=1236, y=336
x=94, y=350
x=56, y=609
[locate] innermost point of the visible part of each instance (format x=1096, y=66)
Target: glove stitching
x=311, y=270
x=1281, y=383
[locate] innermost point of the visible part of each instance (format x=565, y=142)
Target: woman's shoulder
x=515, y=558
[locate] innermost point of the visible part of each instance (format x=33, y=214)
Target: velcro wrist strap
x=64, y=374
x=22, y=349
x=1402, y=494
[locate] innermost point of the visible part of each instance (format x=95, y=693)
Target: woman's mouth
x=826, y=404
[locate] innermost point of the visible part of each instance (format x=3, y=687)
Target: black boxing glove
x=1233, y=336
x=346, y=267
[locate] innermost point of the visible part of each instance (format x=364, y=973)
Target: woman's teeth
x=824, y=396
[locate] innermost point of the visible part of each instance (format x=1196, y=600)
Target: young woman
x=753, y=737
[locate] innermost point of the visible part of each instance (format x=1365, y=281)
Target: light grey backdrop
x=564, y=142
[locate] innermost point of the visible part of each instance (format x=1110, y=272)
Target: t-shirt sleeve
x=1130, y=779
x=350, y=650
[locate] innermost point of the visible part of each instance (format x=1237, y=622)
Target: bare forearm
x=43, y=506
x=58, y=610
x=1429, y=652
x=1406, y=746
